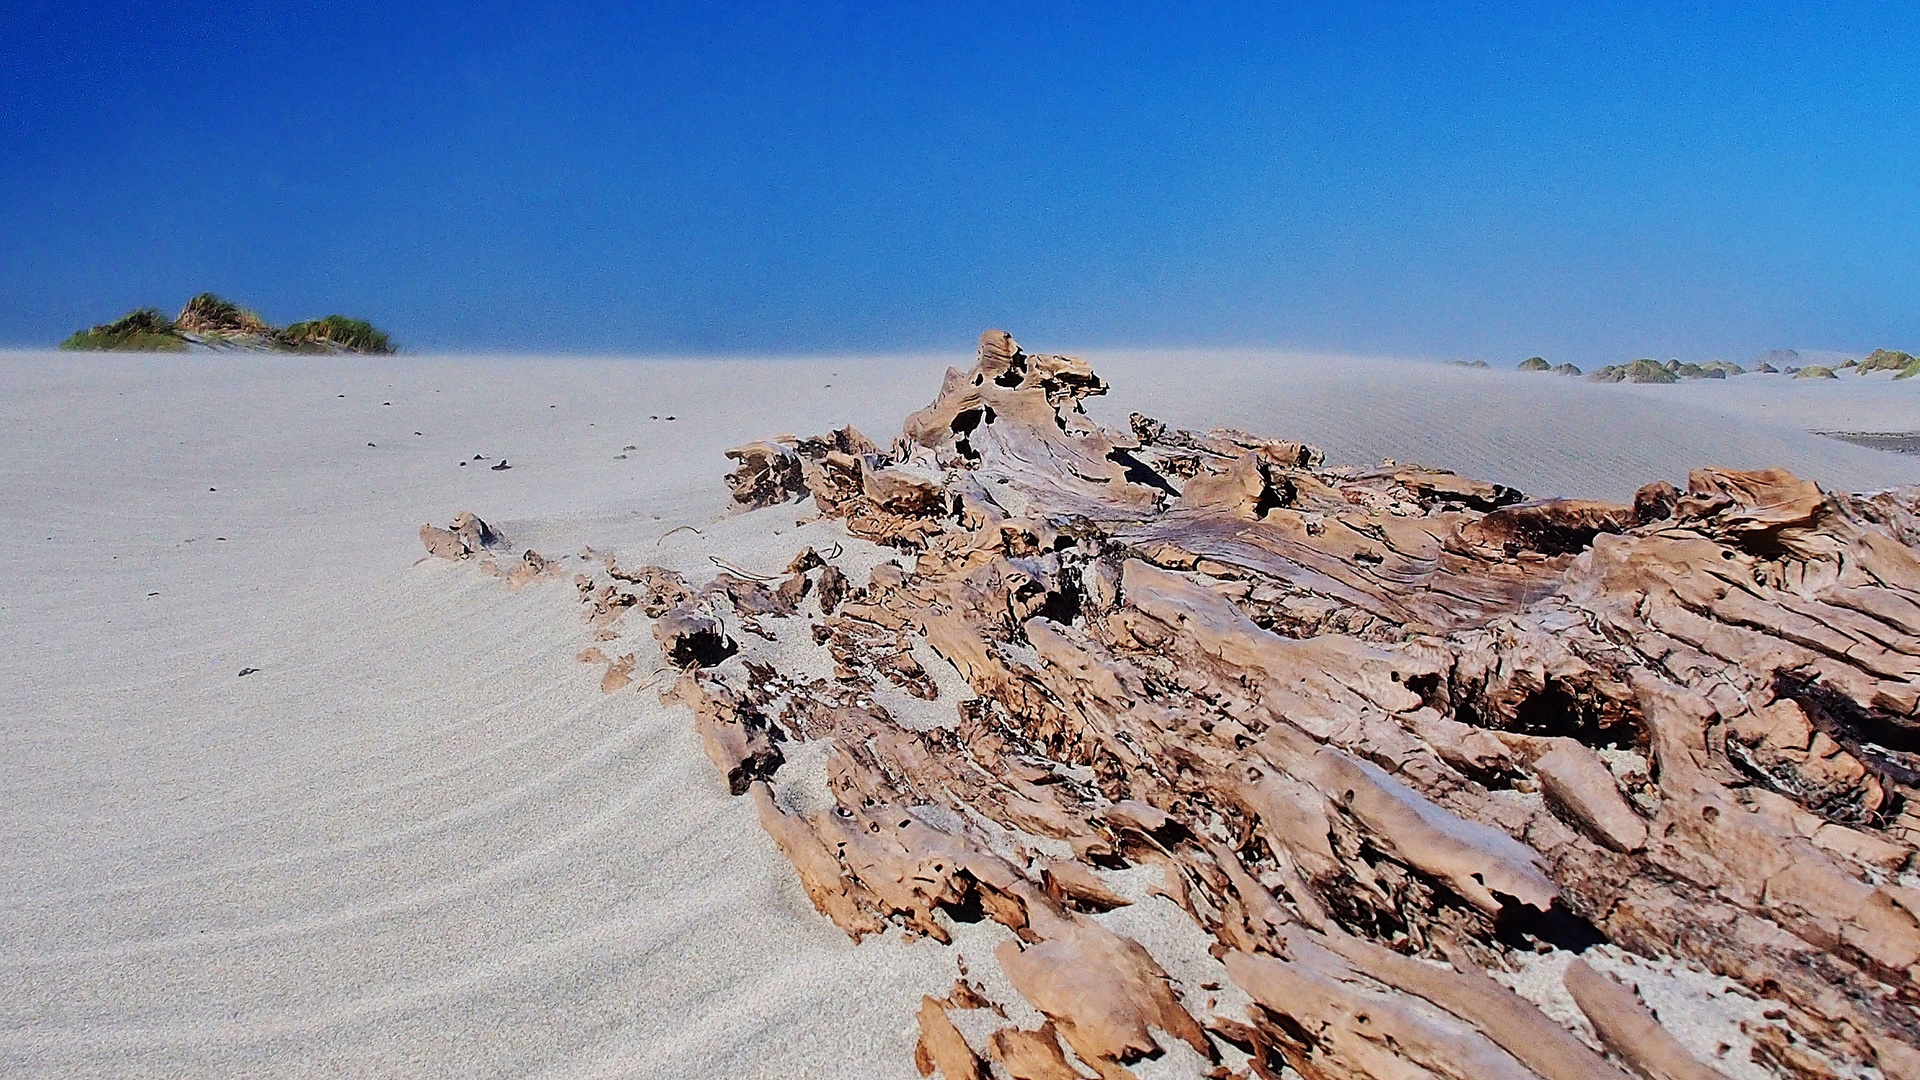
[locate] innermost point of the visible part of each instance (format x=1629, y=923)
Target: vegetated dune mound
x=1536, y=363
x=210, y=322
x=1651, y=371
x=142, y=330
x=1902, y=364
x=1640, y=371
x=1886, y=360
x=1377, y=732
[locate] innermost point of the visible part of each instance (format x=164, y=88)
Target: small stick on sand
x=732, y=569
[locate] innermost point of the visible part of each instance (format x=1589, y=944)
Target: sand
x=418, y=839
x=1545, y=434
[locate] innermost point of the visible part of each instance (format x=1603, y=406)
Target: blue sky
x=1588, y=183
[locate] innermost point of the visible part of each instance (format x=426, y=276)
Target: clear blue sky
x=1586, y=183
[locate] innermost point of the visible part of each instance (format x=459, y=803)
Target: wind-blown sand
x=419, y=840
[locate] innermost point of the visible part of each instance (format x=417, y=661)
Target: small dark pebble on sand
x=502, y=466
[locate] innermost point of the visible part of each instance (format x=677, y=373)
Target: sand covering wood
x=1377, y=728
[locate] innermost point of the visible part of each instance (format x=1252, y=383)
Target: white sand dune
x=1545, y=434
x=419, y=840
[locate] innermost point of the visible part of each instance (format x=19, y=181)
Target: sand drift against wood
x=1384, y=735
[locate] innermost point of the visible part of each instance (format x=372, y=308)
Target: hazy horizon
x=1379, y=181
x=945, y=356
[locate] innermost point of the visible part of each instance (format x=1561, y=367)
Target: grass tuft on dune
x=142, y=330
x=351, y=335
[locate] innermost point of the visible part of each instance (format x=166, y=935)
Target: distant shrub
x=1640, y=371
x=1815, y=371
x=144, y=330
x=1885, y=360
x=339, y=332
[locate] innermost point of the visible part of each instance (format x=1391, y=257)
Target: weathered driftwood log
x=1379, y=728
x=1629, y=1030
x=466, y=536
x=768, y=472
x=942, y=1047
x=689, y=637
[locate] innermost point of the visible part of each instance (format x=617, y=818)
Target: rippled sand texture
x=419, y=840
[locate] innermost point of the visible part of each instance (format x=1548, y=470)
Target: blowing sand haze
x=1118, y=744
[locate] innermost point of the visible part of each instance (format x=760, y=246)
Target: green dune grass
x=212, y=321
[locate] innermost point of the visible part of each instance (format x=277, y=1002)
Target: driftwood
x=465, y=537
x=1379, y=728
x=468, y=536
x=1629, y=1030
